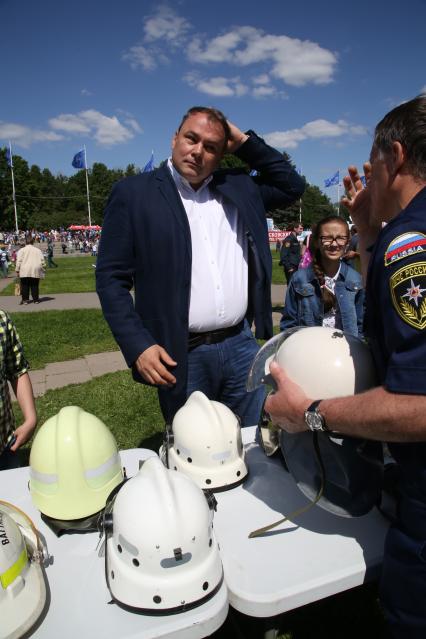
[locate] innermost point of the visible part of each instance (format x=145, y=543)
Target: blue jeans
x=220, y=372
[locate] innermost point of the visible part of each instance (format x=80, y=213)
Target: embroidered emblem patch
x=408, y=290
x=405, y=245
x=287, y=244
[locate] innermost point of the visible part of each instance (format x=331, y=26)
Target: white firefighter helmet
x=326, y=363
x=161, y=552
x=23, y=590
x=205, y=444
x=74, y=465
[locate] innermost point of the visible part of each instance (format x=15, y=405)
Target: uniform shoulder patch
x=408, y=288
x=287, y=244
x=405, y=245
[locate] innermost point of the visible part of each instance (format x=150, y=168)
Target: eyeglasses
x=327, y=240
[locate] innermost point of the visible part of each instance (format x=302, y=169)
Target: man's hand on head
x=151, y=365
x=237, y=138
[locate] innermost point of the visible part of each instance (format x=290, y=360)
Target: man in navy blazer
x=193, y=242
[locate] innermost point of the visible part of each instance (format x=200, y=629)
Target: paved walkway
x=84, y=369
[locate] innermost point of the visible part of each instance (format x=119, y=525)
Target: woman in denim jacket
x=328, y=292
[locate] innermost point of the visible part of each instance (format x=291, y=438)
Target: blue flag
x=79, y=160
x=149, y=166
x=9, y=159
x=253, y=173
x=334, y=179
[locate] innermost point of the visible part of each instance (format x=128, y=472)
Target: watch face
x=314, y=420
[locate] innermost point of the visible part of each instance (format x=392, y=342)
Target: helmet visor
x=259, y=371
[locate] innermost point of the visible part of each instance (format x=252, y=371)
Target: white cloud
x=147, y=58
x=317, y=129
x=166, y=25
x=133, y=124
x=218, y=86
x=423, y=89
x=295, y=62
x=86, y=92
x=70, y=124
x=24, y=136
x=263, y=78
x=287, y=60
x=264, y=91
x=105, y=130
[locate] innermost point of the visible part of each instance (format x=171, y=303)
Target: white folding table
x=80, y=603
x=302, y=561
x=317, y=555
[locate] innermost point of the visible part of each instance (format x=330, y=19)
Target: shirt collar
x=182, y=182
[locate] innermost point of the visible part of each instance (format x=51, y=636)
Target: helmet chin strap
x=260, y=531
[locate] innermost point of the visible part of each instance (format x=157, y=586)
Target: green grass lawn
x=278, y=276
x=130, y=410
x=77, y=275
x=73, y=275
x=56, y=336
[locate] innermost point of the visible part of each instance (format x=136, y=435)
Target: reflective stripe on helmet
x=98, y=476
x=9, y=576
x=43, y=478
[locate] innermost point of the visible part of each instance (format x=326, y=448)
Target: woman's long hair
x=329, y=300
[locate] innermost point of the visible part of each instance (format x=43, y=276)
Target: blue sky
x=312, y=78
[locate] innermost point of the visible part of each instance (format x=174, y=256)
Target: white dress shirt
x=219, y=278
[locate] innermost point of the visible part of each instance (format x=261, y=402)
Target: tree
x=231, y=161
x=312, y=207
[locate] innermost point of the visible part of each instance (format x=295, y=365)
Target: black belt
x=213, y=337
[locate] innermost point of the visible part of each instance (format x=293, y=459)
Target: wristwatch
x=313, y=418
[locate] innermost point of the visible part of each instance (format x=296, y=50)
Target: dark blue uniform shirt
x=395, y=324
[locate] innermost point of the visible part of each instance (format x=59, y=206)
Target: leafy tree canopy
x=47, y=201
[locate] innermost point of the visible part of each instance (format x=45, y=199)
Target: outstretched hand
x=358, y=199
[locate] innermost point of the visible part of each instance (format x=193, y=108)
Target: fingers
x=278, y=374
x=23, y=433
x=150, y=365
x=166, y=357
x=237, y=137
x=367, y=171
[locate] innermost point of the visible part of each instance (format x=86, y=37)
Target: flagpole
x=300, y=201
x=87, y=186
x=13, y=187
x=338, y=191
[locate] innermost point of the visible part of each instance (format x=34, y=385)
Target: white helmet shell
x=22, y=579
x=162, y=554
x=207, y=444
x=326, y=362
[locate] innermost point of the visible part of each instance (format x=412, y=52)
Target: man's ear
x=398, y=157
x=174, y=138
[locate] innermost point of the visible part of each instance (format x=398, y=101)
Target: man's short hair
x=406, y=124
x=212, y=114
